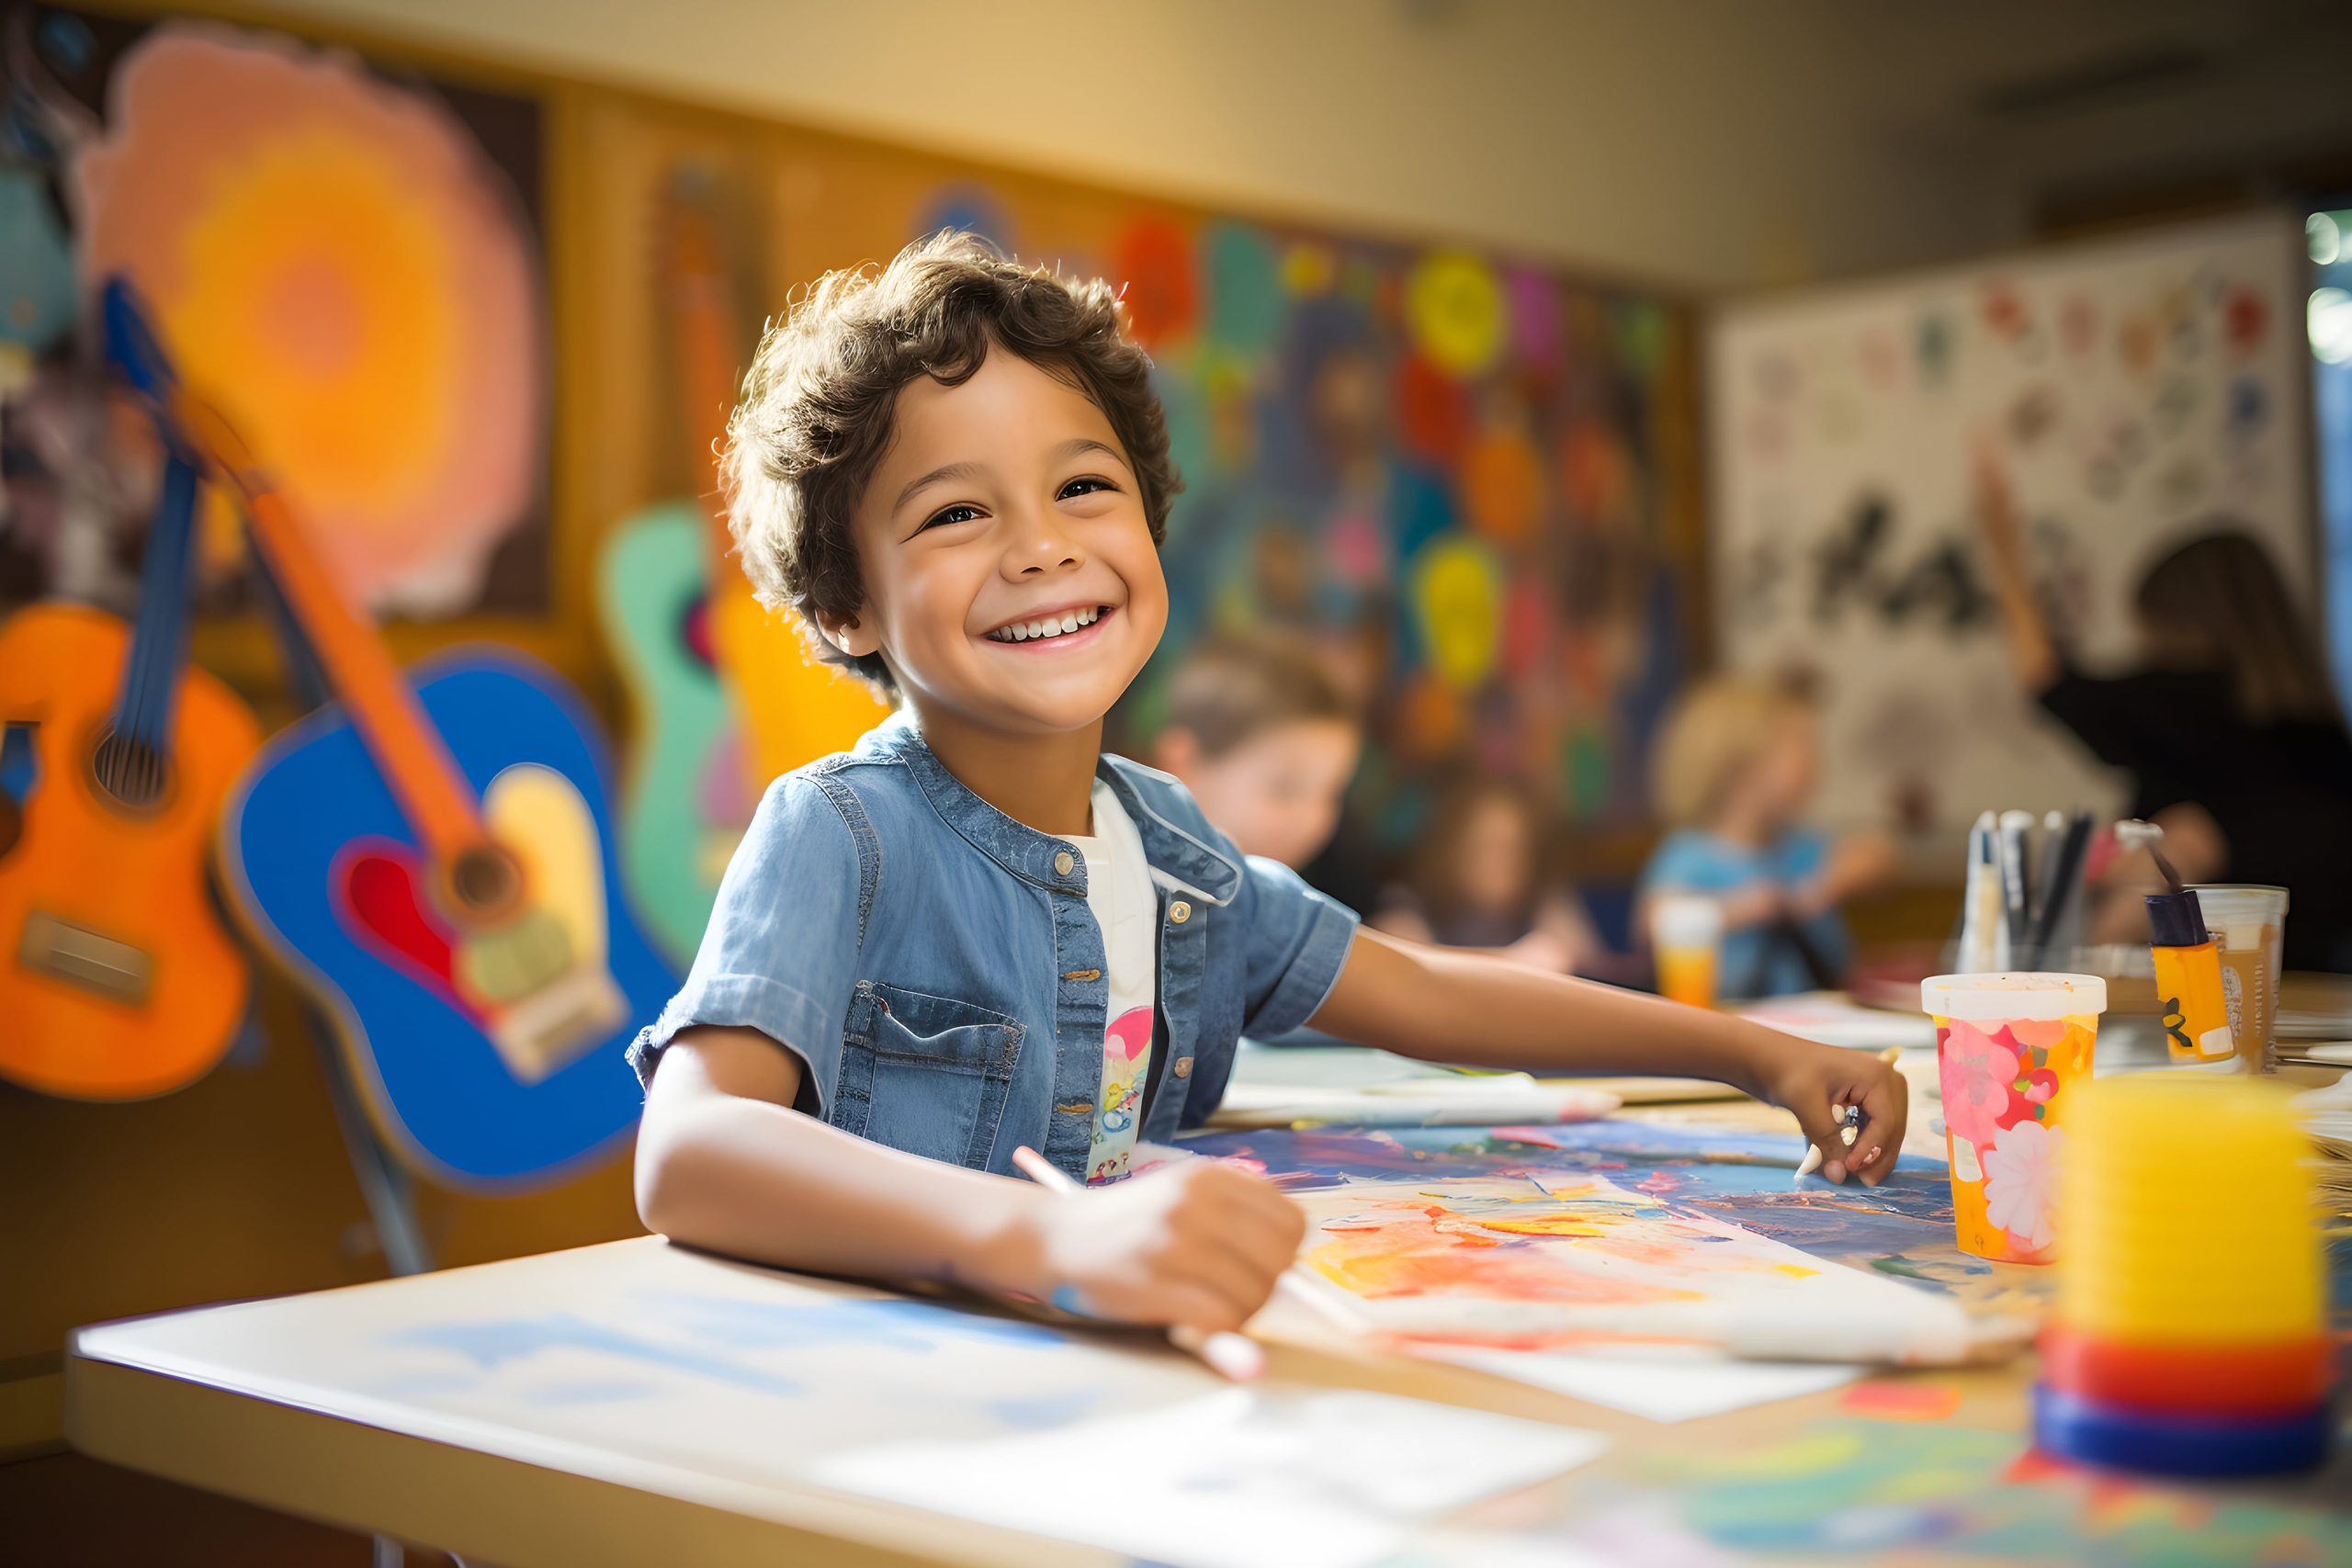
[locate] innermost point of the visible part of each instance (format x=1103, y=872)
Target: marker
x=1981, y=905
x=2060, y=927
x=2017, y=890
x=1852, y=1117
x=1234, y=1356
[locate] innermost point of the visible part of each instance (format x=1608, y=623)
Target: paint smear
x=1901, y=1401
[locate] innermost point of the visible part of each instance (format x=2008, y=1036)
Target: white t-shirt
x=1118, y=889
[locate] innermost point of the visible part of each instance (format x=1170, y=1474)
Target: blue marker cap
x=2123, y=1438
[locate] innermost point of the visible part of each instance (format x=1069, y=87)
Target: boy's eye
x=946, y=517
x=1085, y=486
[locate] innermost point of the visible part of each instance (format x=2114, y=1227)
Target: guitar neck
x=159, y=637
x=707, y=349
x=434, y=795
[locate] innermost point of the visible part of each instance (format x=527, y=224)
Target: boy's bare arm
x=723, y=1162
x=1444, y=1006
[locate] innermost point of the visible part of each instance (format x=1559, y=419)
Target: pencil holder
x=2190, y=1336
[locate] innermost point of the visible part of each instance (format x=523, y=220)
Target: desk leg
x=384, y=1182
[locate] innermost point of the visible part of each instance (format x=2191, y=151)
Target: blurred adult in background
x=1264, y=738
x=2232, y=733
x=1484, y=874
x=1734, y=771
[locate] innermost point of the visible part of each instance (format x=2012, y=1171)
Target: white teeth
x=1054, y=626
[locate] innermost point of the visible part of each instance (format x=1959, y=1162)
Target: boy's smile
x=1011, y=582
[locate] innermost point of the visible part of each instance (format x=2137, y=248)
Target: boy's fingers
x=1822, y=1132
x=1196, y=1306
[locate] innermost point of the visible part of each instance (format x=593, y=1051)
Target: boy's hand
x=1198, y=1244
x=1808, y=1079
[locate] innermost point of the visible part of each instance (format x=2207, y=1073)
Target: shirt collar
x=1178, y=856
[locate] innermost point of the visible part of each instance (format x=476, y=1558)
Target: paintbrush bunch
x=2327, y=1117
x=2023, y=905
x=2191, y=1335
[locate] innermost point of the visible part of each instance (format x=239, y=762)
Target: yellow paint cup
x=2010, y=1049
x=2190, y=1218
x=1685, y=932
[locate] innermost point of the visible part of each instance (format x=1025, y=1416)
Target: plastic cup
x=2010, y=1049
x=1685, y=932
x=2249, y=925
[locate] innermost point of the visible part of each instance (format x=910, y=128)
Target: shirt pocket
x=925, y=1074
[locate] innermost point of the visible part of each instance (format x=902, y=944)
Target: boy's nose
x=1039, y=545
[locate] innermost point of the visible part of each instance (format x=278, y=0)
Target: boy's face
x=1278, y=793
x=1004, y=505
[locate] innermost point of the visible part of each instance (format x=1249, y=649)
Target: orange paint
x=1901, y=1401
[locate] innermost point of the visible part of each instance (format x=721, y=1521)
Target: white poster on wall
x=2139, y=392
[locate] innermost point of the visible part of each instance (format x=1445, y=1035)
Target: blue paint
x=590, y=1393
x=891, y=1324
x=1046, y=1409
x=499, y=1340
x=1071, y=1300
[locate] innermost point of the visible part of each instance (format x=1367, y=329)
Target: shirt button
x=1062, y=862
x=1182, y=1067
x=1179, y=912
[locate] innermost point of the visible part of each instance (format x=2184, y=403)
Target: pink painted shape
x=1129, y=1035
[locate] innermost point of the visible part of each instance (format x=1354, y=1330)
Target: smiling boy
x=976, y=931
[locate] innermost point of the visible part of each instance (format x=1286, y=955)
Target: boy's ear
x=848, y=633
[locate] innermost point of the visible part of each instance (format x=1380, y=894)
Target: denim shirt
x=935, y=966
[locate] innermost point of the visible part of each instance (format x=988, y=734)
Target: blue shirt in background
x=1755, y=961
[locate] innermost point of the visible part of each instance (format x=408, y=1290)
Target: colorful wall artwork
x=1457, y=474
x=2138, y=393
x=348, y=262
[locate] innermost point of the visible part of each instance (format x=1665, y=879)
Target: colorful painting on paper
x=343, y=262
x=1453, y=473
x=1853, y=1491
x=1698, y=1177
x=1553, y=1260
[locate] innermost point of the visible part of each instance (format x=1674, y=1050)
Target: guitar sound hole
x=484, y=880
x=132, y=772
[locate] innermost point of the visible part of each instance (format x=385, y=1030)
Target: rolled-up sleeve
x=1298, y=942
x=780, y=953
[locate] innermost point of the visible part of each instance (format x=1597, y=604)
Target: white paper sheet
x=1657, y=1390
x=1234, y=1479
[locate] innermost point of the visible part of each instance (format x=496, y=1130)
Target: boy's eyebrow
x=970, y=470
x=1078, y=443
x=964, y=470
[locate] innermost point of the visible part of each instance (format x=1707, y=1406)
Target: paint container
x=2249, y=926
x=2188, y=981
x=1686, y=931
x=2011, y=1050
x=2191, y=1333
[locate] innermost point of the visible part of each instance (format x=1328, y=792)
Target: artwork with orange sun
x=348, y=264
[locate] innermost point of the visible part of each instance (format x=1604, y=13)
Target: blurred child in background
x=1735, y=769
x=1485, y=876
x=2227, y=723
x=1264, y=738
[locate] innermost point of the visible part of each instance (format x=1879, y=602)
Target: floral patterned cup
x=2010, y=1048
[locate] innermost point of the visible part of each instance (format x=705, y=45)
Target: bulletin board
x=1466, y=478
x=2139, y=391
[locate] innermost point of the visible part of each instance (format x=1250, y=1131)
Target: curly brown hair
x=817, y=405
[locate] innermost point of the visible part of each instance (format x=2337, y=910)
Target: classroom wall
x=1685, y=144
